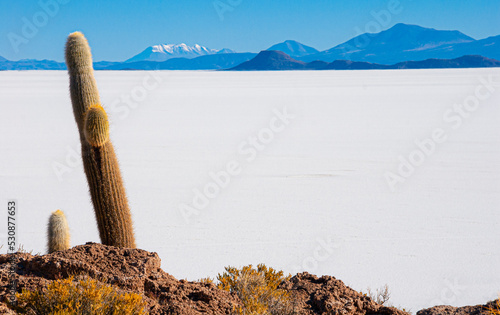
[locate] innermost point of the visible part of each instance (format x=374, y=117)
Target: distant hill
x=271, y=60
x=488, y=47
x=461, y=62
x=277, y=60
x=294, y=49
x=164, y=52
x=102, y=65
x=401, y=42
x=31, y=64
x=209, y=62
x=266, y=60
x=225, y=51
x=353, y=65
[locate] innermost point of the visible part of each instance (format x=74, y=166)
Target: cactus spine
x=99, y=160
x=58, y=232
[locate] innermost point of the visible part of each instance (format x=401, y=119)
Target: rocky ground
x=135, y=270
x=466, y=310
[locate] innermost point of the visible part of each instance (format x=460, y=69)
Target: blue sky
x=117, y=30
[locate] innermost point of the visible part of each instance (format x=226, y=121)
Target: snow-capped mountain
x=164, y=52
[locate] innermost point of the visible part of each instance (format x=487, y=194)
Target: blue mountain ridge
x=294, y=49
x=400, y=43
x=32, y=64
x=277, y=61
x=208, y=62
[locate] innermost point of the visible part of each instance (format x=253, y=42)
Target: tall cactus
x=99, y=160
x=57, y=232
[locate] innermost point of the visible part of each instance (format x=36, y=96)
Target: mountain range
x=164, y=52
x=409, y=42
x=208, y=62
x=272, y=60
x=398, y=44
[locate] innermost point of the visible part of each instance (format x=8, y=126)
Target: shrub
x=207, y=280
x=87, y=296
x=257, y=289
x=495, y=310
x=381, y=295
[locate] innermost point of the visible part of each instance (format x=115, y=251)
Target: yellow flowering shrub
x=258, y=289
x=87, y=296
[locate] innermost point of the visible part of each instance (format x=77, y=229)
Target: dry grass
x=381, y=295
x=496, y=309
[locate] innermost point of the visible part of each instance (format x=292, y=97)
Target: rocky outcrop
x=131, y=270
x=465, y=310
x=327, y=295
x=138, y=271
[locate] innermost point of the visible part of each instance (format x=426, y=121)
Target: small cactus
x=58, y=232
x=107, y=191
